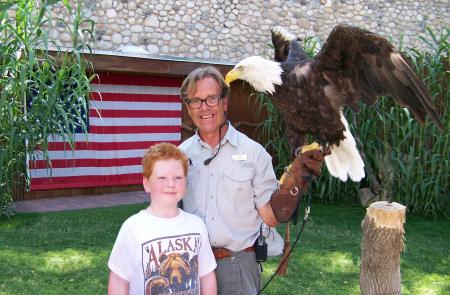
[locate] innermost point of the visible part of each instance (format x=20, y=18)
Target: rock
x=65, y=37
x=111, y=13
x=116, y=38
x=151, y=21
x=235, y=31
x=129, y=48
x=136, y=29
x=174, y=43
x=152, y=49
x=186, y=18
x=244, y=25
x=105, y=4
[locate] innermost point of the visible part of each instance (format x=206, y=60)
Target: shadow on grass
x=327, y=257
x=53, y=230
x=67, y=253
x=59, y=252
x=32, y=279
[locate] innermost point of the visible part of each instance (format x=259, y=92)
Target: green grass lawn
x=67, y=253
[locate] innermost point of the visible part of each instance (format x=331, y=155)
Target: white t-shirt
x=162, y=255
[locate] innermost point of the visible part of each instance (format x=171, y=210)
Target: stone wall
x=233, y=29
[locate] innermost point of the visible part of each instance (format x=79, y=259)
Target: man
x=231, y=183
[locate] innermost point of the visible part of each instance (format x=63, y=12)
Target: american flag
x=127, y=114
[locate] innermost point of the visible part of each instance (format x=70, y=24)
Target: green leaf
x=39, y=95
x=5, y=5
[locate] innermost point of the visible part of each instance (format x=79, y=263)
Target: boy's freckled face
x=167, y=183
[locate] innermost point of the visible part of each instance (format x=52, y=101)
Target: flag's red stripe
x=138, y=80
x=85, y=181
x=114, y=180
x=133, y=129
x=135, y=97
x=134, y=113
x=69, y=163
x=105, y=146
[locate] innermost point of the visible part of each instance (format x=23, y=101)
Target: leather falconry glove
x=294, y=182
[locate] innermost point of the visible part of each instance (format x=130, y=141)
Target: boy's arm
x=208, y=284
x=117, y=285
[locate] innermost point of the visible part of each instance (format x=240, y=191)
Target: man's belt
x=221, y=253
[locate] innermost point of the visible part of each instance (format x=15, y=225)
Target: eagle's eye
x=240, y=68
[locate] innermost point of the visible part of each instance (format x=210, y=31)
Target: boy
x=162, y=249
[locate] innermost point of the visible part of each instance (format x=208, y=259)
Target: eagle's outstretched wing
x=281, y=40
x=353, y=65
x=360, y=65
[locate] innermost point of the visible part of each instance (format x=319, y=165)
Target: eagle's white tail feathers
x=345, y=159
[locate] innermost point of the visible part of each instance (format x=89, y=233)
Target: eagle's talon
x=311, y=147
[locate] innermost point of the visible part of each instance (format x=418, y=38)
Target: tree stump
x=382, y=245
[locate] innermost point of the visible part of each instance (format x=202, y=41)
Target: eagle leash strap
x=305, y=220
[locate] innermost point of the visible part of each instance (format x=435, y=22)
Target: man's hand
x=294, y=183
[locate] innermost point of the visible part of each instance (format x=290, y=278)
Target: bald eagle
x=353, y=65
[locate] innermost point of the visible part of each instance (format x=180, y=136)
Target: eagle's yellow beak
x=231, y=76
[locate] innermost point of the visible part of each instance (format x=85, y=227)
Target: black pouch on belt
x=261, y=247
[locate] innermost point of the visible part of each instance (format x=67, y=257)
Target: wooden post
x=382, y=244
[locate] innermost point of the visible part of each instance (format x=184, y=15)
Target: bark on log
x=382, y=245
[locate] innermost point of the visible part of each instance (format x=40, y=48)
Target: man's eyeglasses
x=196, y=103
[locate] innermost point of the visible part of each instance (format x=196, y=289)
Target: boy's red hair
x=162, y=151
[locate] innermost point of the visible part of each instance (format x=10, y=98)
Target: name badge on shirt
x=240, y=157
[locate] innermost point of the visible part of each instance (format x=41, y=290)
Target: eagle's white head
x=260, y=73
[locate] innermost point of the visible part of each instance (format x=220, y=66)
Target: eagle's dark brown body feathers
x=305, y=104
x=353, y=65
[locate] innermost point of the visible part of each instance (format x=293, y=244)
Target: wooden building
x=243, y=113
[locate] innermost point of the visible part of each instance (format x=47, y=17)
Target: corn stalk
x=42, y=93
